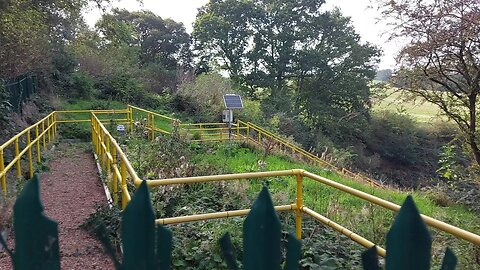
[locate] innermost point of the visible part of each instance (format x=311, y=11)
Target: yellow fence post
x=114, y=176
x=107, y=144
x=248, y=132
x=49, y=130
x=43, y=136
x=54, y=127
x=2, y=170
x=19, y=164
x=153, y=127
x=39, y=157
x=130, y=109
x=238, y=130
x=299, y=206
x=30, y=159
x=123, y=173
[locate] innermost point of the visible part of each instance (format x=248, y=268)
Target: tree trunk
x=473, y=126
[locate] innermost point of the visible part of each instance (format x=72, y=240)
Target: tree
x=301, y=59
x=332, y=83
x=162, y=45
x=441, y=61
x=222, y=33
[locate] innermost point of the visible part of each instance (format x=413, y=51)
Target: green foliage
x=448, y=163
x=82, y=85
x=291, y=53
x=4, y=104
x=397, y=138
x=105, y=224
x=206, y=96
x=80, y=131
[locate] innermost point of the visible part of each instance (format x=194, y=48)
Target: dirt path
x=69, y=192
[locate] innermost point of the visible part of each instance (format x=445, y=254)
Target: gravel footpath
x=69, y=192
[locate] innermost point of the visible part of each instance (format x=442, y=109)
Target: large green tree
x=441, y=60
x=306, y=61
x=162, y=45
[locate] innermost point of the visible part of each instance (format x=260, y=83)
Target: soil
x=69, y=192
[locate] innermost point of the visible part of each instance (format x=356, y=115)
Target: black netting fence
x=20, y=89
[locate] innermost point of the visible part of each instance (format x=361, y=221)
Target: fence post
x=130, y=109
x=43, y=136
x=48, y=129
x=54, y=116
x=30, y=159
x=299, y=206
x=107, y=145
x=248, y=132
x=238, y=130
x=123, y=172
x=114, y=176
x=19, y=165
x=39, y=157
x=2, y=170
x=153, y=127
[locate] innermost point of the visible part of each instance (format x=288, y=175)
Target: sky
x=363, y=19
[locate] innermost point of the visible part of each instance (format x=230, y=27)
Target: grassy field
x=356, y=214
x=397, y=101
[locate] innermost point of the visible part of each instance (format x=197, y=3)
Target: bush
x=122, y=87
x=4, y=104
x=82, y=85
x=205, y=96
x=398, y=138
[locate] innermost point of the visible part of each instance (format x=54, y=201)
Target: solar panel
x=233, y=101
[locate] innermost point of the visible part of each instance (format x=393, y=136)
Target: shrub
x=82, y=84
x=4, y=104
x=397, y=138
x=205, y=94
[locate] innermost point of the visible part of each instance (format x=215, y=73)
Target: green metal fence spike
x=36, y=236
x=293, y=253
x=164, y=248
x=228, y=252
x=408, y=241
x=370, y=259
x=449, y=260
x=138, y=232
x=261, y=235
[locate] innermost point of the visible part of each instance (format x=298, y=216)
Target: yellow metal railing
x=110, y=155
x=32, y=140
x=153, y=121
x=119, y=171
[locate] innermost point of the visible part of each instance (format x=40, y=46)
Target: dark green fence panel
x=20, y=90
x=36, y=236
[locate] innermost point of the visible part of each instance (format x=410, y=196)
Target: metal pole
x=114, y=176
x=299, y=206
x=39, y=157
x=49, y=129
x=30, y=159
x=2, y=170
x=153, y=127
x=19, y=165
x=43, y=136
x=123, y=173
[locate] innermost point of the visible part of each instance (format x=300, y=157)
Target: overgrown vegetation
x=168, y=157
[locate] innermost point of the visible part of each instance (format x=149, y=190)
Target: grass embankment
x=368, y=220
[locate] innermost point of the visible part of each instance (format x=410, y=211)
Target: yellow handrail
x=119, y=171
